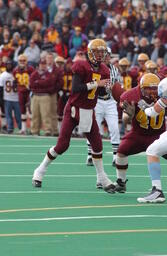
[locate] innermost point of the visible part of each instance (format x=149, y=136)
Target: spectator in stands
x=126, y=48
x=158, y=50
x=110, y=30
x=60, y=48
x=123, y=31
x=33, y=53
x=76, y=40
x=99, y=22
x=80, y=21
x=46, y=45
x=52, y=34
x=67, y=19
x=162, y=33
x=145, y=26
x=3, y=12
x=65, y=34
x=34, y=13
x=24, y=10
x=13, y=11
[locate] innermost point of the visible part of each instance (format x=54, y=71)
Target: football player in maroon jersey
x=88, y=76
x=144, y=129
x=22, y=74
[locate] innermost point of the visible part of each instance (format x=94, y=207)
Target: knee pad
x=121, y=162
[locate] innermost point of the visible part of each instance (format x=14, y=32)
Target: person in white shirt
x=157, y=149
x=10, y=97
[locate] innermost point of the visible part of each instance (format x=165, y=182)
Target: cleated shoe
x=156, y=196
x=37, y=183
x=89, y=161
x=110, y=188
x=99, y=185
x=120, y=186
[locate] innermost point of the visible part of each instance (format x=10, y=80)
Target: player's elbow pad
x=151, y=112
x=91, y=85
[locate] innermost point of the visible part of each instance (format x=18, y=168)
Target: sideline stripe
x=91, y=232
x=80, y=207
x=84, y=218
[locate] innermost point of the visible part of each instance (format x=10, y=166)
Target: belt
x=105, y=97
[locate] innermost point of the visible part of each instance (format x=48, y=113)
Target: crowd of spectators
x=65, y=27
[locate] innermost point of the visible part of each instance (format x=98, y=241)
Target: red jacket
x=42, y=83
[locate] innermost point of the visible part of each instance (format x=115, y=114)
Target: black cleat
x=120, y=186
x=110, y=188
x=99, y=185
x=37, y=183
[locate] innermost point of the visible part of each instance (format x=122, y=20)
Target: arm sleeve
x=78, y=85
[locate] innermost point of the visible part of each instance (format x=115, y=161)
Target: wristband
x=91, y=85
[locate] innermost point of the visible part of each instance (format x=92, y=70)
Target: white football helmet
x=162, y=88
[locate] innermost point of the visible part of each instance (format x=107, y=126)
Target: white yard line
x=84, y=218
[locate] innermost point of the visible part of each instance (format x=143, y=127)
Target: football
x=117, y=90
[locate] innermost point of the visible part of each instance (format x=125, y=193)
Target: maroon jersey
x=22, y=77
x=141, y=123
x=58, y=78
x=87, y=73
x=67, y=86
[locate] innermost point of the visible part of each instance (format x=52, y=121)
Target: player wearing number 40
x=88, y=77
x=145, y=130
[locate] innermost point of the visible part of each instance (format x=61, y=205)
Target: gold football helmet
x=142, y=57
x=149, y=86
x=124, y=65
x=151, y=66
x=97, y=51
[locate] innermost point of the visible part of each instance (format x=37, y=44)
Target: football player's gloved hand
x=129, y=108
x=143, y=105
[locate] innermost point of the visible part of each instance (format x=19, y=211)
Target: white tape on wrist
x=92, y=85
x=151, y=112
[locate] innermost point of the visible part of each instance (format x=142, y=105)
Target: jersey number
x=91, y=94
x=153, y=122
x=10, y=87
x=23, y=79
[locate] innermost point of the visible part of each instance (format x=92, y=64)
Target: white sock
x=41, y=169
x=23, y=126
x=121, y=174
x=101, y=175
x=157, y=184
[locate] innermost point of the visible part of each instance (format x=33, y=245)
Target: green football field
x=68, y=216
